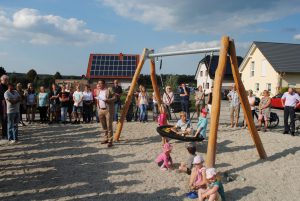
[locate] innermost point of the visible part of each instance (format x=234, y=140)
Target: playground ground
x=61, y=162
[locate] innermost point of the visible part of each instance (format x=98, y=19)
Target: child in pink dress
x=164, y=160
x=198, y=176
x=162, y=120
x=163, y=116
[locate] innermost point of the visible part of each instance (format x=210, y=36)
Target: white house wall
x=271, y=76
x=204, y=78
x=226, y=84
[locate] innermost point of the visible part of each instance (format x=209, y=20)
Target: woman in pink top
x=164, y=160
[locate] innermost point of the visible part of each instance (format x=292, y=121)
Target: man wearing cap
x=290, y=100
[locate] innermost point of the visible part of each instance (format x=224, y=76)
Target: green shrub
x=283, y=89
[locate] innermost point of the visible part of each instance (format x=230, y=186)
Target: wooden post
x=154, y=82
x=130, y=94
x=216, y=103
x=244, y=101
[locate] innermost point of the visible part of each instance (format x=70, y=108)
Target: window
x=263, y=68
x=252, y=69
x=207, y=86
x=257, y=86
x=201, y=73
x=269, y=86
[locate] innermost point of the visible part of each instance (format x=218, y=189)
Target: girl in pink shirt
x=163, y=116
x=198, y=176
x=164, y=160
x=162, y=120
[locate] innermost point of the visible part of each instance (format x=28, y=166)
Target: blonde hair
x=182, y=113
x=267, y=92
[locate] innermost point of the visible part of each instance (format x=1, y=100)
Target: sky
x=59, y=35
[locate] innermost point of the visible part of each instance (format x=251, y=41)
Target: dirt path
x=60, y=162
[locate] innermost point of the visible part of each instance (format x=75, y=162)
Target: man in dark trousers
x=3, y=115
x=117, y=89
x=184, y=99
x=292, y=100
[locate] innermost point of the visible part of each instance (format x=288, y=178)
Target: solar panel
x=113, y=65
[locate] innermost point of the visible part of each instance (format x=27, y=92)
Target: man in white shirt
x=106, y=99
x=234, y=106
x=292, y=100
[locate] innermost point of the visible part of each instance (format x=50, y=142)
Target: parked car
x=276, y=102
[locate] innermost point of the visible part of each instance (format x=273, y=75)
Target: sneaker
x=293, y=133
x=285, y=132
x=12, y=141
x=110, y=144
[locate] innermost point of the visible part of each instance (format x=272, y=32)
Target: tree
x=57, y=75
x=13, y=78
x=31, y=75
x=2, y=71
x=172, y=81
x=47, y=81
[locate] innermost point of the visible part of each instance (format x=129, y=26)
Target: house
x=271, y=66
x=112, y=66
x=206, y=70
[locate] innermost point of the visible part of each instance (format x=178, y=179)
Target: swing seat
x=165, y=131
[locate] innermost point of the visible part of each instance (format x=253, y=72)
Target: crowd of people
x=62, y=104
x=74, y=104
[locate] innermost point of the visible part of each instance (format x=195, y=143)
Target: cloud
x=297, y=37
x=202, y=16
x=240, y=46
x=28, y=25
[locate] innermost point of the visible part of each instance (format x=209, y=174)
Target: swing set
x=227, y=48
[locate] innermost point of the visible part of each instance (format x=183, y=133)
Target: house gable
x=262, y=77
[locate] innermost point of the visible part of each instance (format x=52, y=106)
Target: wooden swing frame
x=227, y=47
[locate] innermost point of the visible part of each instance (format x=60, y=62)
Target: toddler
x=202, y=125
x=198, y=176
x=215, y=190
x=164, y=160
x=183, y=126
x=187, y=167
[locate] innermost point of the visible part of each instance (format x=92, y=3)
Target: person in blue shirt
x=184, y=99
x=202, y=125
